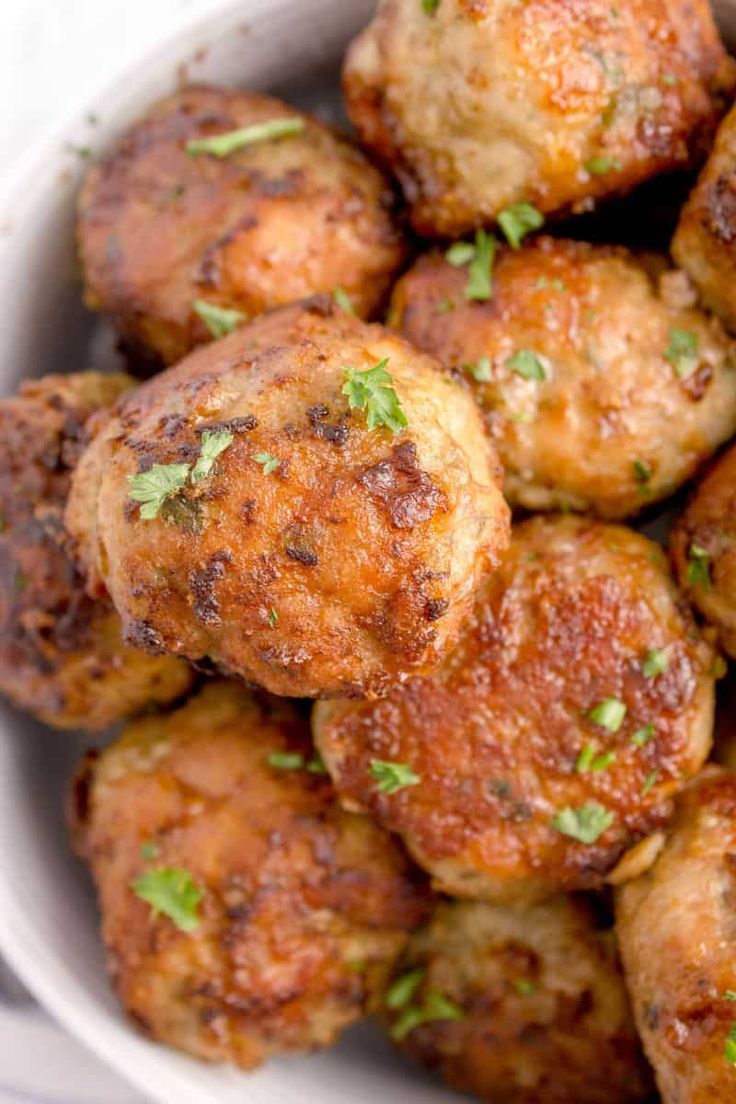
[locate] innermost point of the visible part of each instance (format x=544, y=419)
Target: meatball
x=554, y=736
x=481, y=104
x=675, y=928
x=520, y=1006
x=325, y=505
x=61, y=654
x=243, y=913
x=705, y=241
x=703, y=546
x=603, y=385
x=184, y=230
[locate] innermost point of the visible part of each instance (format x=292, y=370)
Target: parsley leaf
x=172, y=892
x=524, y=987
x=698, y=567
x=598, y=166
x=213, y=443
x=222, y=145
x=516, y=222
x=372, y=390
x=429, y=7
x=403, y=989
x=608, y=714
x=527, y=364
x=730, y=995
x=268, y=462
x=151, y=488
x=682, y=352
x=655, y=662
x=316, y=765
x=729, y=1050
x=649, y=781
x=480, y=270
x=643, y=735
x=588, y=760
x=392, y=777
x=585, y=824
x=435, y=1007
x=481, y=370
x=218, y=320
x=285, y=760
x=272, y=617
x=642, y=472
x=459, y=254
x=343, y=300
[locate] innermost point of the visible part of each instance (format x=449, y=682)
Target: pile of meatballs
x=386, y=752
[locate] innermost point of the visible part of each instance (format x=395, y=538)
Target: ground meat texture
x=311, y=562
x=541, y=1015
x=303, y=908
x=675, y=927
x=703, y=547
x=270, y=223
x=705, y=240
x=554, y=736
x=603, y=385
x=480, y=104
x=61, y=653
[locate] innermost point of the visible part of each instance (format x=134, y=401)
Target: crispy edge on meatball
x=520, y=1006
x=703, y=548
x=318, y=556
x=161, y=229
x=675, y=927
x=705, y=240
x=554, y=736
x=481, y=104
x=294, y=911
x=604, y=387
x=61, y=654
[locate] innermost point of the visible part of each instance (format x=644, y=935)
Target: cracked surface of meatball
x=315, y=555
x=289, y=913
x=675, y=927
x=481, y=104
x=538, y=1009
x=61, y=653
x=705, y=241
x=552, y=739
x=603, y=385
x=161, y=230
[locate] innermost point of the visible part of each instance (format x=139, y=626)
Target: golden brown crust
x=705, y=241
x=675, y=927
x=496, y=734
x=343, y=570
x=483, y=103
x=703, y=547
x=613, y=427
x=61, y=653
x=271, y=223
x=545, y=1016
x=304, y=907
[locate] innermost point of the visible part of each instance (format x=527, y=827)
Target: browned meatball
x=603, y=385
x=482, y=104
x=703, y=546
x=61, y=654
x=243, y=913
x=519, y=1006
x=676, y=931
x=166, y=231
x=334, y=545
x=554, y=736
x=705, y=241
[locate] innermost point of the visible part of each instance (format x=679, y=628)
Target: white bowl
x=48, y=921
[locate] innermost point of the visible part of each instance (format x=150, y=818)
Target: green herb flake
x=698, y=567
x=649, y=781
x=372, y=390
x=148, y=850
x=214, y=442
x=316, y=765
x=599, y=166
x=460, y=253
x=481, y=370
x=669, y=79
x=719, y=668
x=172, y=892
x=219, y=320
x=402, y=991
x=524, y=987
x=642, y=472
x=609, y=714
x=151, y=488
x=268, y=462
x=222, y=145
x=585, y=758
x=585, y=824
x=527, y=364
x=480, y=270
x=285, y=760
x=518, y=220
x=643, y=735
x=435, y=1007
x=392, y=777
x=603, y=762
x=343, y=300
x=655, y=663
x=730, y=995
x=429, y=7
x=682, y=351
x=729, y=1050
x=272, y=617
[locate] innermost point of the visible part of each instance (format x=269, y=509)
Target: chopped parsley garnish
x=527, y=364
x=285, y=760
x=481, y=370
x=604, y=761
x=151, y=488
x=655, y=662
x=392, y=777
x=372, y=390
x=479, y=258
x=316, y=765
x=429, y=7
x=460, y=253
x=343, y=300
x=682, y=352
x=524, y=987
x=643, y=735
x=698, y=566
x=598, y=166
x=213, y=443
x=730, y=995
x=609, y=714
x=588, y=760
x=518, y=220
x=149, y=850
x=401, y=992
x=642, y=472
x=585, y=824
x=219, y=320
x=649, y=781
x=719, y=668
x=729, y=1050
x=268, y=462
x=669, y=79
x=272, y=617
x=222, y=145
x=434, y=1007
x=172, y=892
